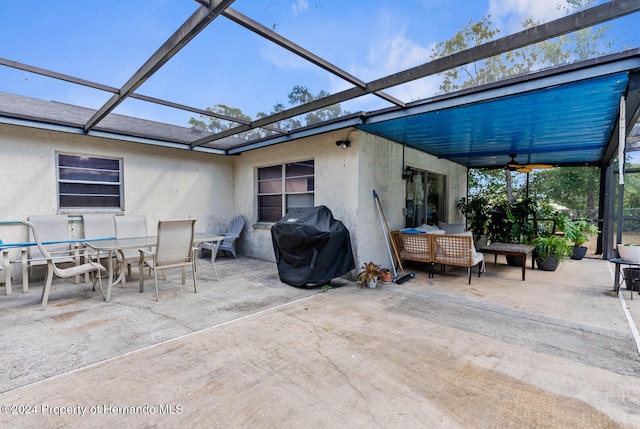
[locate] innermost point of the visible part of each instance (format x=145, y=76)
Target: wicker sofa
x=444, y=249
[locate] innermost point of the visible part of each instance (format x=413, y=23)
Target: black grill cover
x=311, y=246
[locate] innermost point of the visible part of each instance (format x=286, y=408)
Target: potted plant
x=576, y=233
x=476, y=211
x=385, y=275
x=550, y=251
x=368, y=275
x=521, y=214
x=499, y=227
x=510, y=223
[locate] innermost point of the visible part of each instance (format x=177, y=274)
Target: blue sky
x=107, y=41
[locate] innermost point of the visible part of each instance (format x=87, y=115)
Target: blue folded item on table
x=413, y=231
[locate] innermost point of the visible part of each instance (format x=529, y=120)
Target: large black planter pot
x=550, y=263
x=632, y=278
x=579, y=252
x=514, y=261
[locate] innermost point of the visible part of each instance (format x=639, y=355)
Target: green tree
x=217, y=122
x=573, y=187
x=577, y=46
x=491, y=184
x=298, y=95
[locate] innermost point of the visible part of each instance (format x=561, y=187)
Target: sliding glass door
x=425, y=198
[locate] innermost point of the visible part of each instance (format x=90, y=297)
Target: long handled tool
x=385, y=233
x=389, y=238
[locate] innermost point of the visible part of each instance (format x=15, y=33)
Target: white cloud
x=388, y=50
x=417, y=90
x=300, y=6
x=281, y=59
x=385, y=58
x=509, y=14
x=400, y=53
x=394, y=54
x=387, y=47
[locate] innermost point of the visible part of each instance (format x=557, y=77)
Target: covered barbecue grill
x=311, y=247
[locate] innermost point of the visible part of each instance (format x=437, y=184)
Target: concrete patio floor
x=248, y=351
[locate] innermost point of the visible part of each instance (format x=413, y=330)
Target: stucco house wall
x=344, y=182
x=159, y=182
x=335, y=177
x=380, y=168
x=166, y=183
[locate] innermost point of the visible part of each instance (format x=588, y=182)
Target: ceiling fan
x=513, y=165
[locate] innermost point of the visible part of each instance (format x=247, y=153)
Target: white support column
x=7, y=270
x=622, y=140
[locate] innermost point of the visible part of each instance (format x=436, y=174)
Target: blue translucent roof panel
x=564, y=124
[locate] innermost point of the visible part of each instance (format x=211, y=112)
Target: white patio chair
x=51, y=228
x=230, y=237
x=174, y=249
x=130, y=227
x=52, y=267
x=98, y=225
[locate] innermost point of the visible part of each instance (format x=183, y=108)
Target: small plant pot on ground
x=550, y=263
x=386, y=277
x=632, y=278
x=579, y=252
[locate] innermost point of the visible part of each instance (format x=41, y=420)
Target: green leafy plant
x=553, y=245
x=577, y=232
x=523, y=229
x=562, y=221
x=499, y=228
x=511, y=223
x=476, y=210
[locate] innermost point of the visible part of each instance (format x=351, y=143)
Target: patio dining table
x=117, y=245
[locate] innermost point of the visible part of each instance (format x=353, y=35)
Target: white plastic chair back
x=99, y=225
x=50, y=228
x=229, y=242
x=175, y=242
x=53, y=269
x=130, y=226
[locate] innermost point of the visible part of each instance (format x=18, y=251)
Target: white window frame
x=282, y=191
x=62, y=181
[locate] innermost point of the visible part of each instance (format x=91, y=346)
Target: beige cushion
x=473, y=247
x=452, y=228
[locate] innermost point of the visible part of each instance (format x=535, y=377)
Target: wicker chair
x=443, y=249
x=457, y=250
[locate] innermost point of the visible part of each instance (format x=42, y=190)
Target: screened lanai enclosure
x=227, y=77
